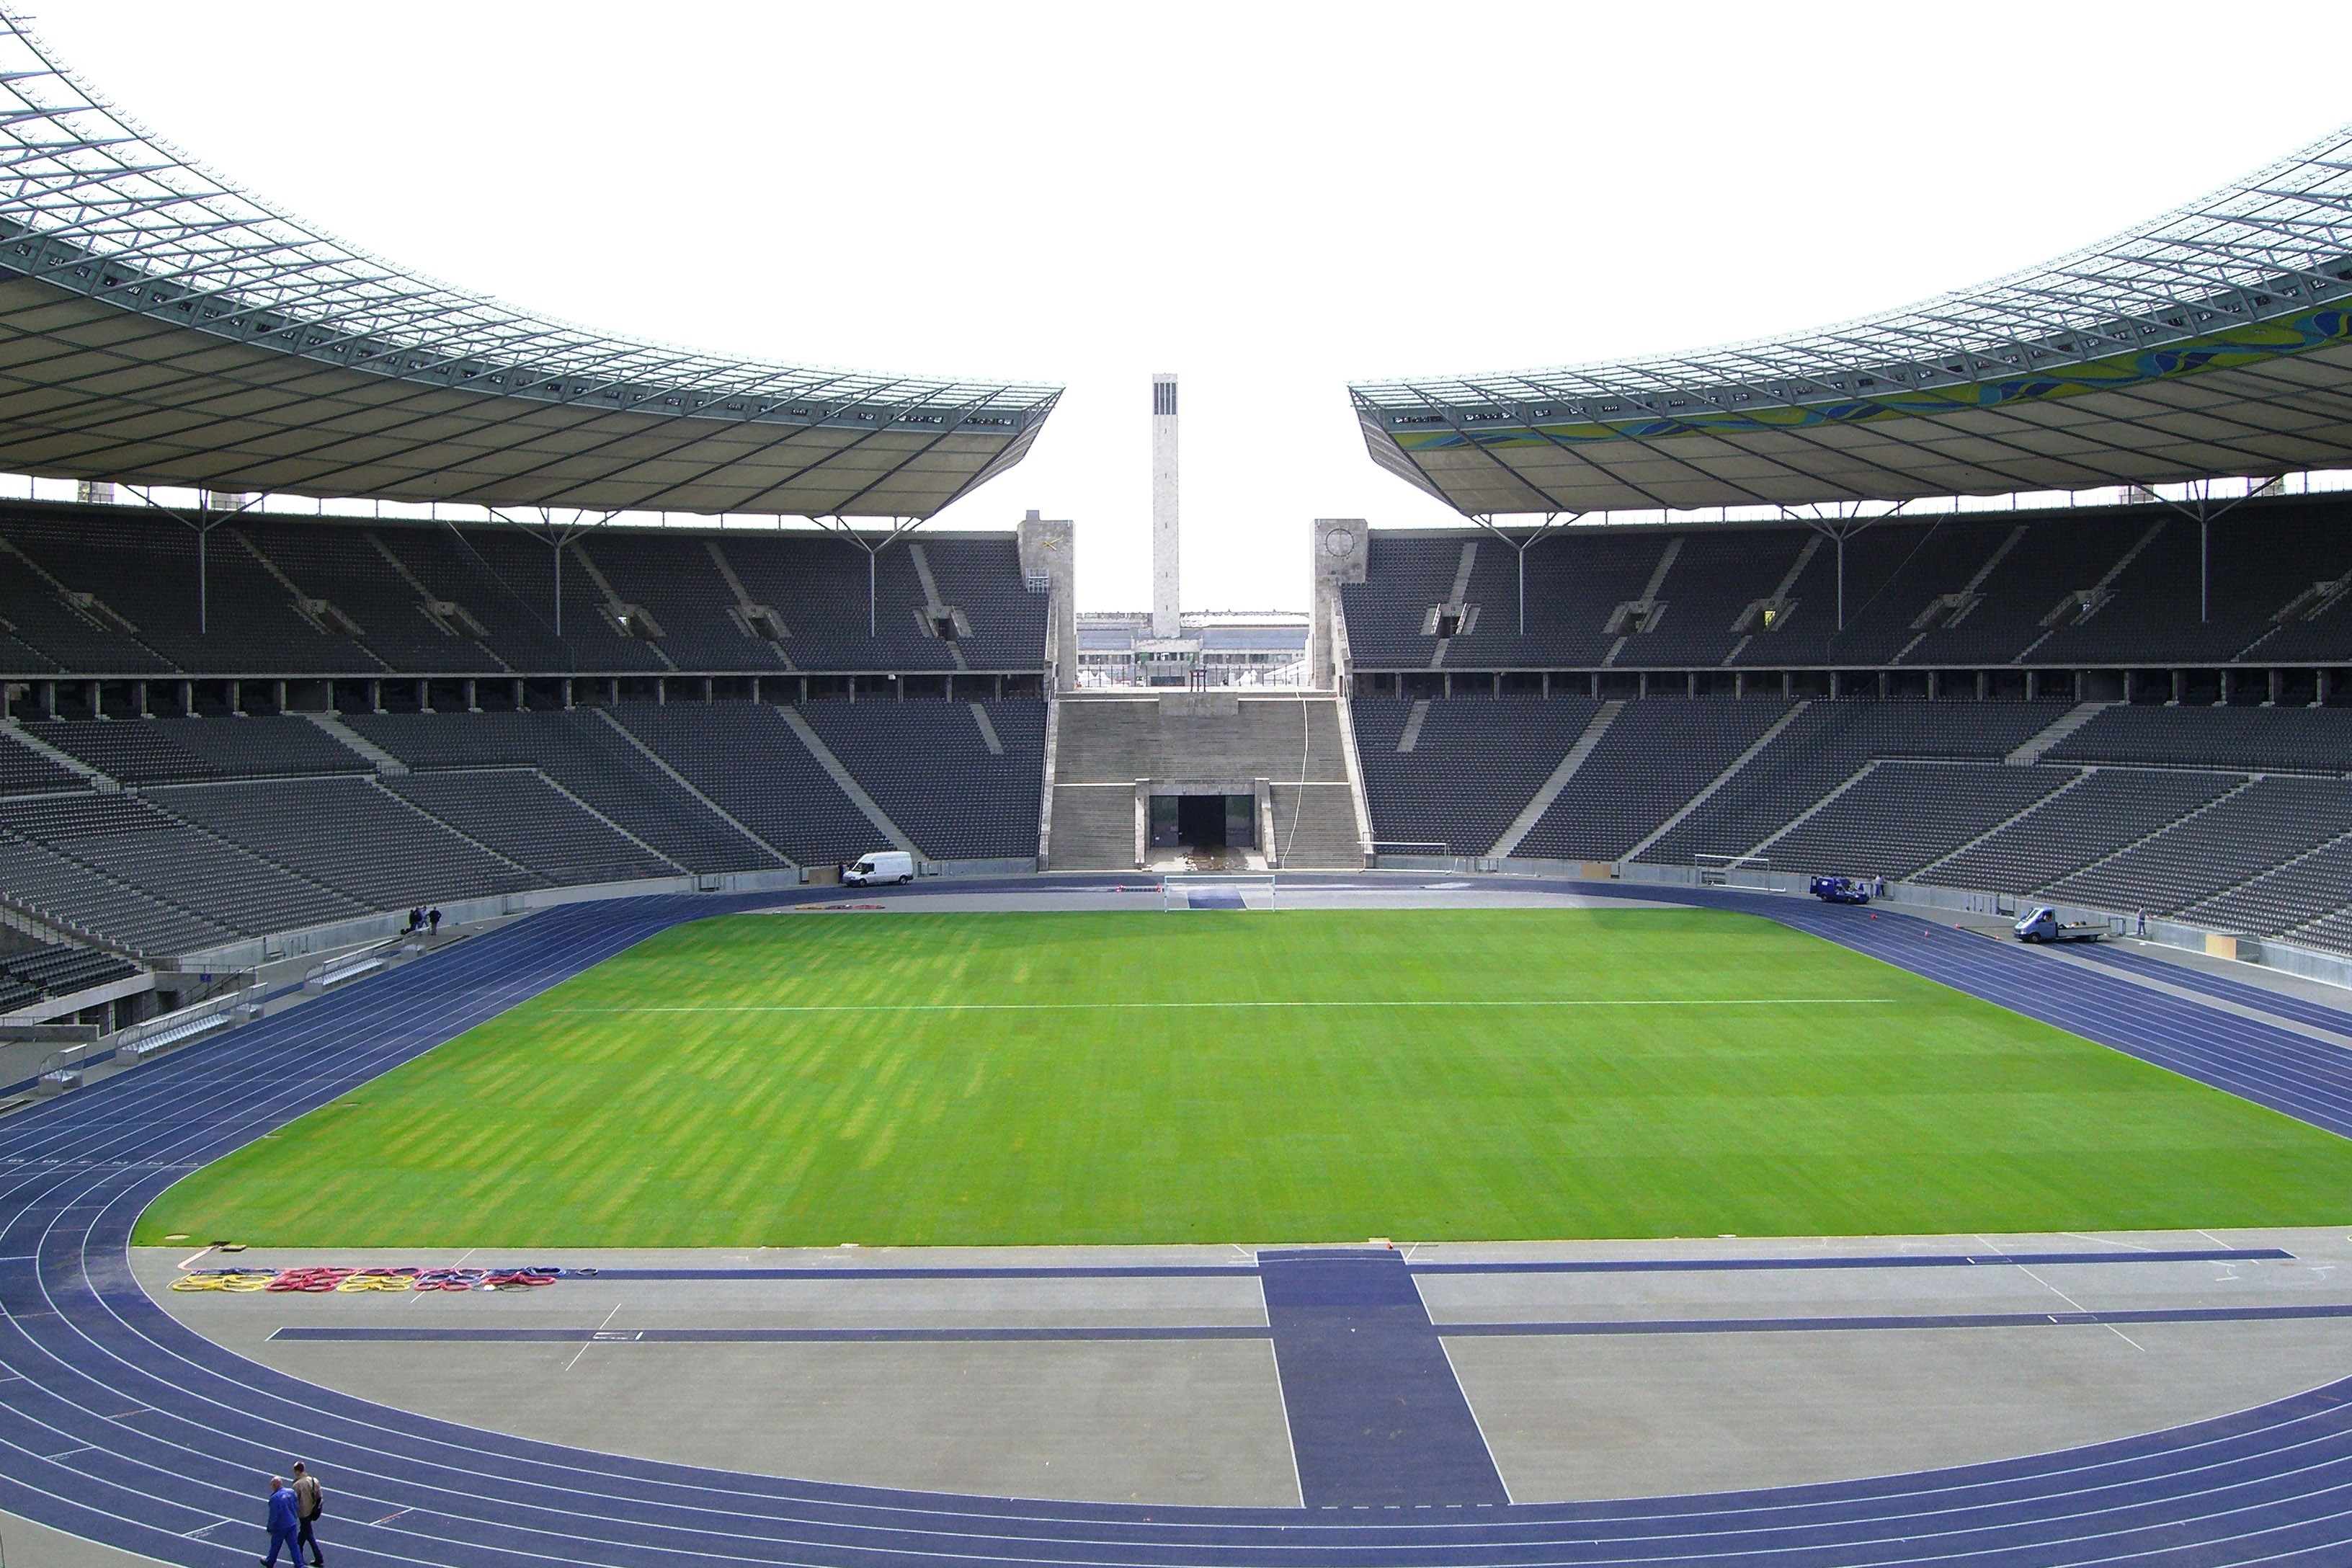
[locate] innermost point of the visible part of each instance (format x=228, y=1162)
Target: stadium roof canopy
x=160, y=326
x=2214, y=340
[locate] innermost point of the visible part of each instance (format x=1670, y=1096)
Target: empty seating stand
x=51, y=970
x=746, y=759
x=116, y=842
x=2306, y=740
x=23, y=771
x=588, y=756
x=515, y=812
x=1656, y=755
x=352, y=836
x=1828, y=743
x=971, y=804
x=2108, y=810
x=2236, y=840
x=1899, y=817
x=927, y=765
x=1475, y=763
x=110, y=591
x=168, y=751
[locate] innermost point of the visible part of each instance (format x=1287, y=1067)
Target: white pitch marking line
x=591, y=1338
x=2131, y=1245
x=2078, y=1306
x=1147, y=1006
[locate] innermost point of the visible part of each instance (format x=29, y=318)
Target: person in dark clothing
x=416, y=917
x=310, y=1503
x=284, y=1522
x=433, y=914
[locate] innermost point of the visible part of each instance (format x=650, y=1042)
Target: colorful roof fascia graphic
x=96, y=211
x=2253, y=274
x=2237, y=347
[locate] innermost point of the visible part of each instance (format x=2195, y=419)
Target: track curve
x=119, y=1424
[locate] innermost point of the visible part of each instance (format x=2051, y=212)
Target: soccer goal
x=1217, y=890
x=1734, y=870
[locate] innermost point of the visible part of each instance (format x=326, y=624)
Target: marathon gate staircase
x=1114, y=750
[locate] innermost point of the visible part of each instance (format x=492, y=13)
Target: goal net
x=1734, y=870
x=1212, y=891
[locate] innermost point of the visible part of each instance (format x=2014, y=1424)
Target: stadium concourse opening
x=1203, y=822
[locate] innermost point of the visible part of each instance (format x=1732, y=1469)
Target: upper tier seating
x=111, y=592
x=1975, y=590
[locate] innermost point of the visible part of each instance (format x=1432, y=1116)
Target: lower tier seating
x=231, y=827
x=2176, y=811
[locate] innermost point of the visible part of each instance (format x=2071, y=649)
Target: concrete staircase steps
x=2058, y=729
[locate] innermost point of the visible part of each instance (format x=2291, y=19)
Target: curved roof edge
x=2243, y=292
x=96, y=211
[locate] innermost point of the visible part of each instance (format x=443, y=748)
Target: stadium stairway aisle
x=121, y=1425
x=1111, y=739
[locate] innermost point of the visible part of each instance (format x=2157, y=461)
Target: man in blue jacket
x=284, y=1521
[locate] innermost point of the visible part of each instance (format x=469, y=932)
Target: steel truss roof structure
x=159, y=325
x=2214, y=340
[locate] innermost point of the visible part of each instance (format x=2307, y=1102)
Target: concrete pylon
x=1167, y=596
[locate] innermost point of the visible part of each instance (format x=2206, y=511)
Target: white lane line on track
x=2207, y=999
x=1155, y=1006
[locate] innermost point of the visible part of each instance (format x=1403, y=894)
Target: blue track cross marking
x=1377, y=1418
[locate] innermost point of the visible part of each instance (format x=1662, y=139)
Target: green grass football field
x=1241, y=1077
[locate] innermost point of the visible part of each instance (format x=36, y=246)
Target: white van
x=883, y=866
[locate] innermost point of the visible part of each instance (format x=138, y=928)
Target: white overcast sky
x=1268, y=200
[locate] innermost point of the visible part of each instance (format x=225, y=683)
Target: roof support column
x=1520, y=546
x=899, y=527
x=556, y=538
x=2199, y=504
x=201, y=524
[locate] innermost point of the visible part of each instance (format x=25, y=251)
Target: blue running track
x=119, y=1424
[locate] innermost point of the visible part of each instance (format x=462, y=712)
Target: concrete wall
x=1339, y=549
x=1049, y=556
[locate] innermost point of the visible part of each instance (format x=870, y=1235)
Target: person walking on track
x=310, y=1503
x=283, y=1524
